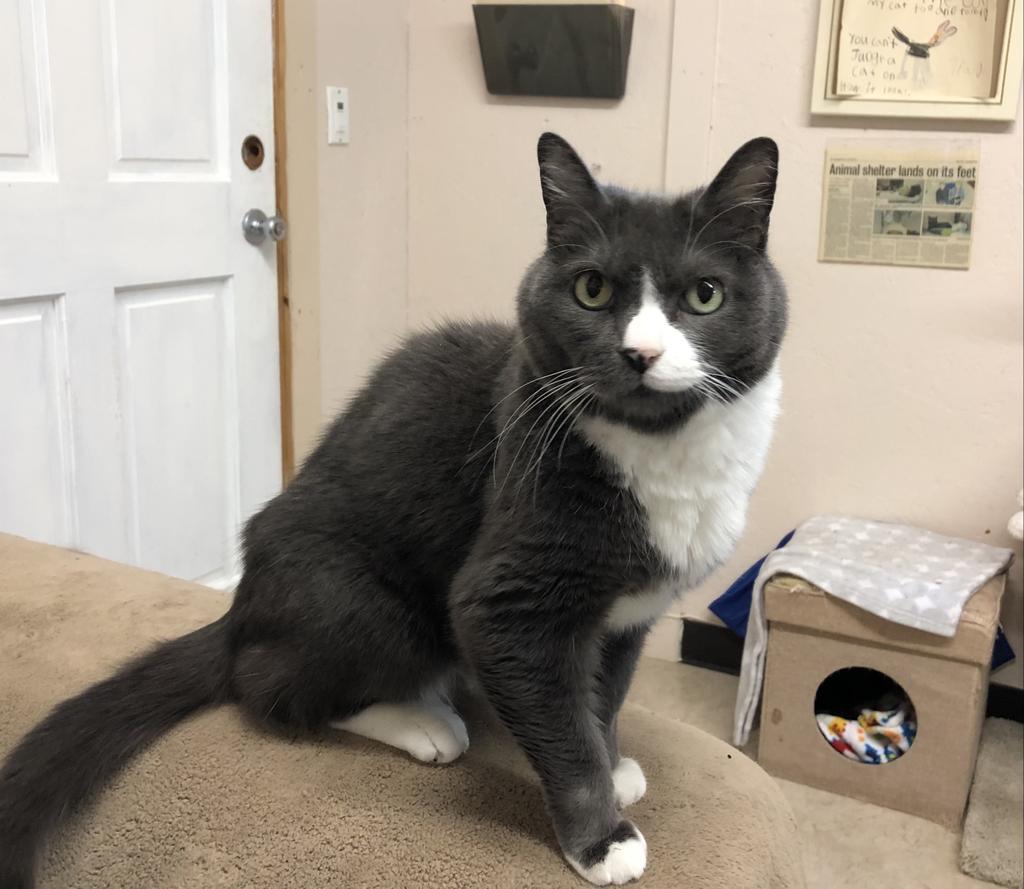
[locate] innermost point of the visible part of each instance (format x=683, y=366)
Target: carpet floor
x=993, y=844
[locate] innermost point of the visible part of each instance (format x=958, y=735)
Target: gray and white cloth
x=904, y=574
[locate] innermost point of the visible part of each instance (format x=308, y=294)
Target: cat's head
x=662, y=303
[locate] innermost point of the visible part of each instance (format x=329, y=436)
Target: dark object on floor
x=1005, y=702
x=711, y=646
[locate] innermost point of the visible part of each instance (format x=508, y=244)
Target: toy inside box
x=812, y=637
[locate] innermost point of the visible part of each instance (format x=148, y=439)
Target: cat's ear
x=570, y=193
x=739, y=199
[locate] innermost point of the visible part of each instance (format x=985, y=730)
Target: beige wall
x=347, y=204
x=903, y=386
x=363, y=190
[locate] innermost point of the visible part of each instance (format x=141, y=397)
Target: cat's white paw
x=430, y=741
x=454, y=722
x=429, y=732
x=624, y=860
x=630, y=783
x=444, y=732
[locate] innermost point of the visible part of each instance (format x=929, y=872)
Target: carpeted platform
x=217, y=803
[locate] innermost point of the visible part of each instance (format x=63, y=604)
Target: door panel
x=180, y=407
x=36, y=478
x=26, y=138
x=138, y=330
x=166, y=62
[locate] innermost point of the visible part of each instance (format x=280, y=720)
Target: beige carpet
x=218, y=804
x=993, y=843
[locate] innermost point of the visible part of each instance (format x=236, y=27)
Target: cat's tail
x=89, y=737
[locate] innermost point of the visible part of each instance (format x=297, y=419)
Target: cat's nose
x=640, y=359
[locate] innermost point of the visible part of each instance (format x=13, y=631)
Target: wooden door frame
x=284, y=324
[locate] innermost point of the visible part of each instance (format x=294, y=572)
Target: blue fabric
x=732, y=608
x=1002, y=652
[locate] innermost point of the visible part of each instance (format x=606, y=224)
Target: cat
x=515, y=502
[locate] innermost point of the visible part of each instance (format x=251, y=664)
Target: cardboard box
x=812, y=635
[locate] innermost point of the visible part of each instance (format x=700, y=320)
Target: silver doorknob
x=257, y=226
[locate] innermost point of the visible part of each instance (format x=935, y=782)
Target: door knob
x=257, y=227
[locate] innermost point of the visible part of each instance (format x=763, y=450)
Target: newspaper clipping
x=899, y=204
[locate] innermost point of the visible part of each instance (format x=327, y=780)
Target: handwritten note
x=920, y=49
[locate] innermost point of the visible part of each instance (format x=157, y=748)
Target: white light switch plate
x=337, y=115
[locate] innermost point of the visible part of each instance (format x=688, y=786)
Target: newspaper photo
x=906, y=203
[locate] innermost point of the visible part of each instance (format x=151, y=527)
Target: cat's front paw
x=630, y=783
x=617, y=859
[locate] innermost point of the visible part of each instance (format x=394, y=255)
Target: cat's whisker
x=550, y=433
x=545, y=441
x=709, y=391
x=551, y=377
x=712, y=380
x=543, y=393
x=548, y=397
x=585, y=386
x=551, y=417
x=740, y=387
x=579, y=413
x=574, y=408
x=534, y=402
x=538, y=448
x=705, y=388
x=554, y=405
x=714, y=377
x=721, y=386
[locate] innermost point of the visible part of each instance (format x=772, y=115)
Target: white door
x=139, y=398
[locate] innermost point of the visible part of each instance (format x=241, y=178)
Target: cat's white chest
x=693, y=484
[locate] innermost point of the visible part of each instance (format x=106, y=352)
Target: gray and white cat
x=519, y=502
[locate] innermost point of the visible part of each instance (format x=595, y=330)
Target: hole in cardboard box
x=865, y=715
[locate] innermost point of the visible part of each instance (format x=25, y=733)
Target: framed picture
x=951, y=59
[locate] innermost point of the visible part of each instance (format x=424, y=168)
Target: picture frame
x=1006, y=63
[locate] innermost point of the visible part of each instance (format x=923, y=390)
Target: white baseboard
x=665, y=638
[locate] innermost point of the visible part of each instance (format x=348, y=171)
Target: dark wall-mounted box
x=574, y=51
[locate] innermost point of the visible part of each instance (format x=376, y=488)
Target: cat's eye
x=592, y=291
x=705, y=296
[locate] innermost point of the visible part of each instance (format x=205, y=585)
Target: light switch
x=337, y=115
